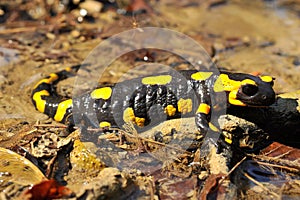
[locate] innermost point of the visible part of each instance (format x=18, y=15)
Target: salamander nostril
x=264, y=97
x=249, y=90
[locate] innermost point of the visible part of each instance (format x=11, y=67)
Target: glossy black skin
x=281, y=120
x=262, y=95
x=148, y=101
x=54, y=99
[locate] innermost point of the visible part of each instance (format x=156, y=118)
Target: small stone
x=122, y=154
x=76, y=2
x=3, y=80
x=50, y=36
x=75, y=33
x=66, y=45
x=218, y=47
x=296, y=61
x=82, y=38
x=203, y=175
x=91, y=6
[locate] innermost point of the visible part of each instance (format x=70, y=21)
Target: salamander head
x=248, y=90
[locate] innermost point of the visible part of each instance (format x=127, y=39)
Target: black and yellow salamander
x=143, y=100
x=281, y=119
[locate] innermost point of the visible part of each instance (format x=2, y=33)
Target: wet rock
x=16, y=169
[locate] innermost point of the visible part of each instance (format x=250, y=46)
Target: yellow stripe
x=39, y=102
x=201, y=76
x=159, y=80
x=232, y=99
x=61, y=109
x=203, y=108
x=102, y=93
x=53, y=77
x=229, y=141
x=247, y=81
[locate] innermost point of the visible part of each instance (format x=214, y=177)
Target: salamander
x=281, y=119
x=143, y=100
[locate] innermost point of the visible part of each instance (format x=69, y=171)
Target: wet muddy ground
x=259, y=37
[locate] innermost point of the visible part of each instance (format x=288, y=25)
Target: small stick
x=261, y=185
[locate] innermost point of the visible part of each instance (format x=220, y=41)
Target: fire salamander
x=281, y=119
x=143, y=100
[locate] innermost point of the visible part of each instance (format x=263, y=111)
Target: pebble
x=50, y=36
x=3, y=80
x=66, y=45
x=203, y=175
x=75, y=33
x=218, y=47
x=296, y=61
x=91, y=6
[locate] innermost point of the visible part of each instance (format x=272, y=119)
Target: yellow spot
x=203, y=108
x=229, y=141
x=159, y=80
x=104, y=124
x=61, y=109
x=267, y=79
x=128, y=115
x=102, y=93
x=224, y=83
x=201, y=76
x=139, y=121
x=213, y=127
x=232, y=99
x=170, y=110
x=52, y=77
x=40, y=103
x=185, y=105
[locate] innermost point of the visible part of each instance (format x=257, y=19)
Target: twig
x=28, y=29
x=261, y=185
x=232, y=169
x=291, y=169
x=50, y=125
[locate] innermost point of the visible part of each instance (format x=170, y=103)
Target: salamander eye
x=249, y=90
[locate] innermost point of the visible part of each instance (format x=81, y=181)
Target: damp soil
x=259, y=37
